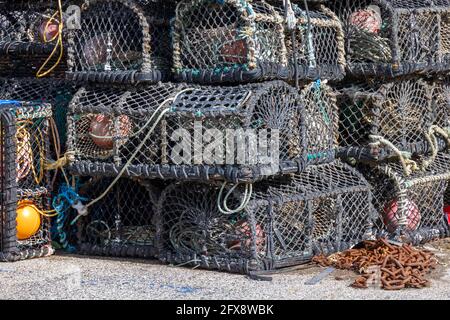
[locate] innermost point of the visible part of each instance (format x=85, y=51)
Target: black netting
x=58, y=93
x=24, y=183
x=394, y=37
x=411, y=207
x=242, y=41
x=120, y=223
x=376, y=119
x=28, y=35
x=228, y=41
x=286, y=221
x=322, y=122
x=316, y=48
x=233, y=133
x=121, y=41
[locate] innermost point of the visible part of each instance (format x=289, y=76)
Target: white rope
x=245, y=200
x=408, y=165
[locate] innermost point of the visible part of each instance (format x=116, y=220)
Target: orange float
x=28, y=219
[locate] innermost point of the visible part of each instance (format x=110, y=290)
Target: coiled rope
x=245, y=200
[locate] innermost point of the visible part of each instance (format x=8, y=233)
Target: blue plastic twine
x=61, y=203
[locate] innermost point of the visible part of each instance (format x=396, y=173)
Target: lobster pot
x=380, y=121
x=242, y=133
x=28, y=35
x=228, y=41
x=410, y=208
x=122, y=41
x=119, y=224
x=56, y=92
x=315, y=49
x=285, y=222
x=322, y=122
x=387, y=38
x=24, y=144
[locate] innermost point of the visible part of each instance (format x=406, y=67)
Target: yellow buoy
x=28, y=220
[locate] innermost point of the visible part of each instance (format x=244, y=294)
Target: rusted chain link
x=400, y=267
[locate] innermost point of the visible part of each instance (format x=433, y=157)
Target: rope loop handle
x=408, y=165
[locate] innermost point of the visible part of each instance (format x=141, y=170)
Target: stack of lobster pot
x=31, y=46
x=394, y=110
x=230, y=166
x=119, y=52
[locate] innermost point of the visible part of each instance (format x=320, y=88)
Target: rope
x=245, y=200
x=59, y=43
x=60, y=163
x=311, y=50
x=25, y=157
x=66, y=199
x=289, y=15
x=318, y=95
x=45, y=213
x=408, y=165
x=432, y=140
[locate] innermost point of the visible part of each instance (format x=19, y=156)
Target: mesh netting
x=322, y=122
x=24, y=139
x=394, y=37
x=286, y=221
x=58, y=93
x=410, y=206
x=26, y=28
x=235, y=133
x=377, y=119
x=121, y=41
x=441, y=107
x=228, y=41
x=316, y=48
x=120, y=224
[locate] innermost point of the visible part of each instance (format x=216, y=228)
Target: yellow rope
x=23, y=137
x=60, y=163
x=45, y=213
x=59, y=43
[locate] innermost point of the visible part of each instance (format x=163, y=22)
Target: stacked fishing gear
x=386, y=38
x=237, y=135
x=394, y=123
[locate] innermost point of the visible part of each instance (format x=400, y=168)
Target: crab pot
x=120, y=224
x=410, y=208
x=56, y=92
x=228, y=41
x=388, y=38
x=242, y=133
x=28, y=37
x=316, y=47
x=24, y=145
x=322, y=122
x=121, y=41
x=286, y=221
x=399, y=112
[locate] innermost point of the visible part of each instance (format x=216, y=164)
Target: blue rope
x=10, y=102
x=61, y=203
x=317, y=89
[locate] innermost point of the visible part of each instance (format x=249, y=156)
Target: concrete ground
x=80, y=277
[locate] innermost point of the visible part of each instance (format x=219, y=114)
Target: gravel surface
x=80, y=277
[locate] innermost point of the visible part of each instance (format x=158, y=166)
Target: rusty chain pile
x=398, y=267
